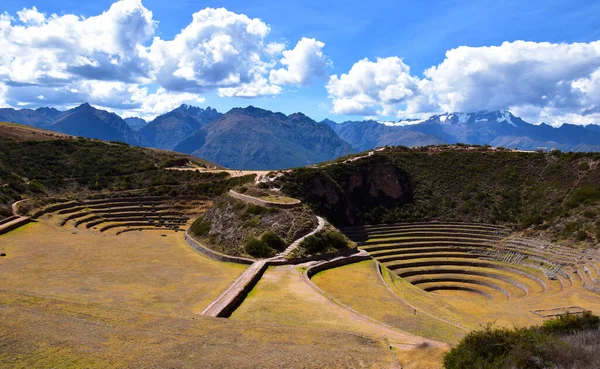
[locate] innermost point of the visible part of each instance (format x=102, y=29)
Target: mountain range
x=254, y=138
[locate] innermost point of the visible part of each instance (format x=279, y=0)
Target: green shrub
x=273, y=240
x=581, y=235
x=258, y=248
x=497, y=348
x=252, y=222
x=243, y=189
x=323, y=240
x=521, y=348
x=583, y=195
x=569, y=323
x=36, y=187
x=200, y=227
x=590, y=214
x=253, y=210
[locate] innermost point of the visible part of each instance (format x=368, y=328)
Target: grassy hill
x=41, y=164
x=553, y=193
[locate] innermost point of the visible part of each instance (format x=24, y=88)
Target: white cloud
x=31, y=16
x=547, y=82
x=372, y=87
x=305, y=62
x=219, y=49
x=57, y=49
x=111, y=58
x=516, y=74
x=258, y=87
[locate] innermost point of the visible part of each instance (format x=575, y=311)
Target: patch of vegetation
x=531, y=191
x=235, y=223
x=533, y=347
x=82, y=167
x=326, y=241
x=273, y=240
x=258, y=248
x=200, y=227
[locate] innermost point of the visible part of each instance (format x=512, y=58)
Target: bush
x=501, y=348
x=581, y=235
x=253, y=210
x=258, y=248
x=323, y=240
x=534, y=347
x=200, y=227
x=583, y=195
x=566, y=324
x=273, y=240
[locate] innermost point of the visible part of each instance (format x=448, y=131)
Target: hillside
x=253, y=138
x=41, y=164
x=168, y=130
x=557, y=194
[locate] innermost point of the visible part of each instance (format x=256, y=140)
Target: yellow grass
x=452, y=305
x=279, y=199
x=88, y=300
x=359, y=286
x=421, y=358
x=136, y=270
x=283, y=296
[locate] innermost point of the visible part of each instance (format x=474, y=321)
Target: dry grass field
x=74, y=300
x=283, y=296
x=359, y=286
x=141, y=271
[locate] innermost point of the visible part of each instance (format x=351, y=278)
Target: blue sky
x=417, y=33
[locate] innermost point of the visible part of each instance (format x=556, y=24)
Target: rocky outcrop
x=341, y=193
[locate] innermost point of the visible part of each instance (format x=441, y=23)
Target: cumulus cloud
x=516, y=74
x=111, y=58
x=55, y=49
x=546, y=82
x=371, y=88
x=303, y=63
x=219, y=49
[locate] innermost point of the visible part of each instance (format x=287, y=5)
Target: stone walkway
x=233, y=296
x=283, y=255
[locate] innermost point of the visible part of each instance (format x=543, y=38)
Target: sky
x=342, y=60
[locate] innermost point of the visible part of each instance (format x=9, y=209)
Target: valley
x=382, y=259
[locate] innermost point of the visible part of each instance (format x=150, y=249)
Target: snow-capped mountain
x=495, y=127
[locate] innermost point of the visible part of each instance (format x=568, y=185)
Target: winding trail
x=283, y=255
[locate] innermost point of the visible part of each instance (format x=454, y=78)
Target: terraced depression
x=479, y=268
x=77, y=296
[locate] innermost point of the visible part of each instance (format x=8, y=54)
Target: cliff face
x=344, y=194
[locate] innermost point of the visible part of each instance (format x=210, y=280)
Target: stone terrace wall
x=310, y=272
x=215, y=255
x=257, y=201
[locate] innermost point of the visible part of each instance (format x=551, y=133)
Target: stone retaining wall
x=269, y=204
x=247, y=288
x=214, y=254
x=310, y=272
x=7, y=227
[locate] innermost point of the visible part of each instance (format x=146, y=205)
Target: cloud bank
x=115, y=59
x=548, y=82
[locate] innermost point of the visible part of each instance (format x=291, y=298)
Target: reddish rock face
x=342, y=192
